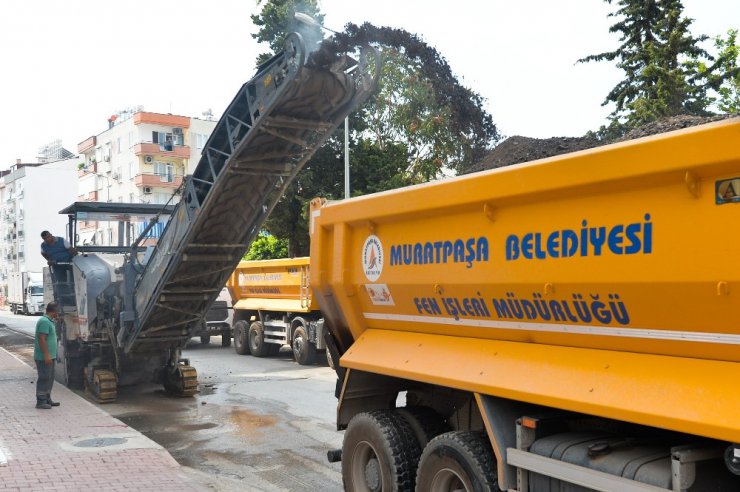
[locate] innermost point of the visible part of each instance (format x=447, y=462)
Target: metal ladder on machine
x=272, y=127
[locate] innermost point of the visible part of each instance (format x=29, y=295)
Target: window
x=119, y=144
x=131, y=198
x=131, y=170
x=160, y=198
x=166, y=140
x=120, y=199
x=130, y=139
x=200, y=140
x=164, y=171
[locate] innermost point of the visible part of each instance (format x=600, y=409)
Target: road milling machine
x=129, y=318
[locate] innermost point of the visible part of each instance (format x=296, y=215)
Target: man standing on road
x=45, y=354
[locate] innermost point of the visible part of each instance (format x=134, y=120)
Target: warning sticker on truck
x=379, y=294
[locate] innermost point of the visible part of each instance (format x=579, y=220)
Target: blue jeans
x=45, y=381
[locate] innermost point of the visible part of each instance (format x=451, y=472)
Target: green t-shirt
x=45, y=326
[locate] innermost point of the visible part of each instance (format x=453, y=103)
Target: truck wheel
x=241, y=344
x=425, y=422
x=257, y=345
x=379, y=453
x=304, y=351
x=460, y=460
x=205, y=339
x=226, y=338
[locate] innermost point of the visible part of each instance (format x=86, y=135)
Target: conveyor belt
x=271, y=128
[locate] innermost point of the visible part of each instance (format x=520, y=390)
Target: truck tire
x=241, y=344
x=205, y=339
x=425, y=422
x=379, y=453
x=257, y=345
x=226, y=338
x=461, y=460
x=304, y=351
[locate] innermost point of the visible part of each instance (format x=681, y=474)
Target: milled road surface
x=257, y=424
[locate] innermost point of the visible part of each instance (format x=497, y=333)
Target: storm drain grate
x=100, y=442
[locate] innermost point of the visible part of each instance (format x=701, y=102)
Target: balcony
x=162, y=119
x=91, y=169
x=86, y=144
x=162, y=181
x=181, y=151
x=91, y=196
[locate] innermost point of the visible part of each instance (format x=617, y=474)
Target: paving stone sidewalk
x=76, y=446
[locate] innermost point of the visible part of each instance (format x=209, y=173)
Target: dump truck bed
x=272, y=285
x=603, y=281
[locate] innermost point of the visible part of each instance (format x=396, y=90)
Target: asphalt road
x=257, y=424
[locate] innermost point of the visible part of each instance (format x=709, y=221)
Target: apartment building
x=31, y=196
x=140, y=158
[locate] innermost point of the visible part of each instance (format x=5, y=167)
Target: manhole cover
x=100, y=442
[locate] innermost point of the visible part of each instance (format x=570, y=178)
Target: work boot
x=53, y=403
x=44, y=405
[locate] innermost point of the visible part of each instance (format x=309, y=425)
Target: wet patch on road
x=251, y=424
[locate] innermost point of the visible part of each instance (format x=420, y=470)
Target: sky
x=68, y=65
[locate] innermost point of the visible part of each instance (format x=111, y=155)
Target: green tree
x=372, y=169
x=405, y=111
x=655, y=47
x=267, y=247
x=723, y=76
x=419, y=123
x=421, y=103
x=277, y=19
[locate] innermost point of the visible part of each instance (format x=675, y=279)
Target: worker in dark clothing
x=58, y=252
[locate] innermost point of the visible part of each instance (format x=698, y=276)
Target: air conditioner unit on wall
x=147, y=190
x=148, y=159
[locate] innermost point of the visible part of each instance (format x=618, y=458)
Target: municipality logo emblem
x=372, y=258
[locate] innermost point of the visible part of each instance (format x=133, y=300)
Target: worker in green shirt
x=45, y=354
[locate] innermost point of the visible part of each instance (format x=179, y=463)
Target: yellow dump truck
x=274, y=306
x=565, y=324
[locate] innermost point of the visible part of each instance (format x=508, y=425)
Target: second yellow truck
x=274, y=306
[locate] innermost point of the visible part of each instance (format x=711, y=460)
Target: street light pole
x=346, y=157
x=310, y=21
